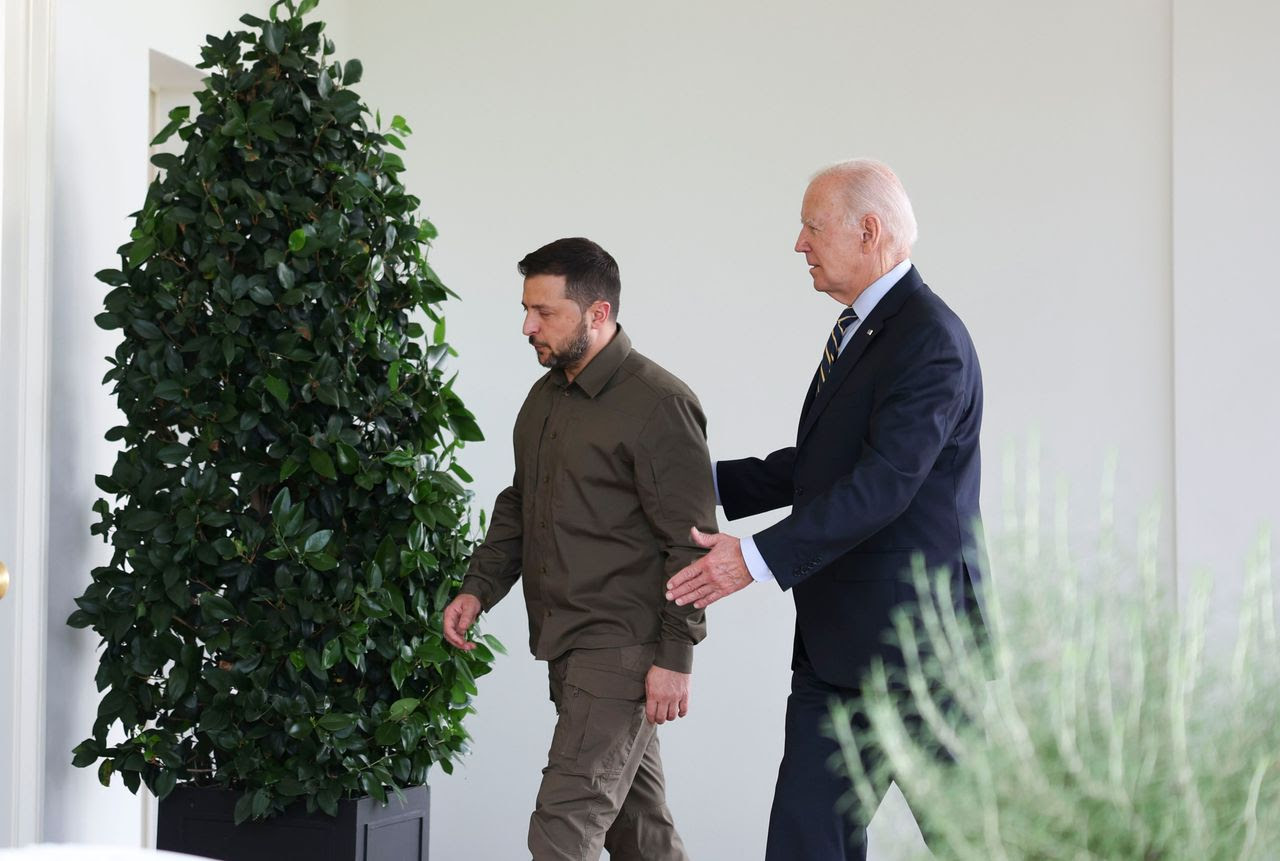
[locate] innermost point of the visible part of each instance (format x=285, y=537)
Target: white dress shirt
x=862, y=306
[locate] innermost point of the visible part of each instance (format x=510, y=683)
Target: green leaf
x=306, y=6
x=168, y=390
x=321, y=561
x=216, y=608
x=285, y=274
x=399, y=672
x=165, y=783
x=273, y=37
x=494, y=643
x=336, y=722
x=402, y=708
x=327, y=800
x=332, y=653
x=318, y=541
x=143, y=521
x=176, y=686
x=348, y=458
x=352, y=72
x=147, y=330
x=393, y=376
x=141, y=249
x=87, y=752
x=177, y=117
x=261, y=295
x=243, y=809
x=465, y=428
x=174, y=453
x=281, y=504
x=182, y=215
x=297, y=240
x=277, y=387
x=322, y=463
x=401, y=459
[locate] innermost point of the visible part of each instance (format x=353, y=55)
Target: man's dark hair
x=590, y=273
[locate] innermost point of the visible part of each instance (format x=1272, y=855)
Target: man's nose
x=530, y=328
x=802, y=244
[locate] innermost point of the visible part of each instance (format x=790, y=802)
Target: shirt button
x=553, y=434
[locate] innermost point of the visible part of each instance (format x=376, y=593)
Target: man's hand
x=666, y=695
x=721, y=572
x=459, y=616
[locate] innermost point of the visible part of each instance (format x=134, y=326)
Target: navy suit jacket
x=886, y=465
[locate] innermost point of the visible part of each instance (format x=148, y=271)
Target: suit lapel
x=868, y=330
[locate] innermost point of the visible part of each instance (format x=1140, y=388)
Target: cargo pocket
x=571, y=723
x=613, y=726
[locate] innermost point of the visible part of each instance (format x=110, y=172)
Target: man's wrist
x=476, y=588
x=674, y=656
x=751, y=557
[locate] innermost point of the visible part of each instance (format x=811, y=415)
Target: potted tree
x=289, y=518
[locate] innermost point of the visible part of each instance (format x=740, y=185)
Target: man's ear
x=600, y=311
x=872, y=230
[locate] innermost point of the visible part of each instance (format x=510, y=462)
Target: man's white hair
x=870, y=187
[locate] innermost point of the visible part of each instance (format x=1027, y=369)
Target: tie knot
x=847, y=317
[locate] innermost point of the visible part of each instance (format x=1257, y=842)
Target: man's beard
x=572, y=352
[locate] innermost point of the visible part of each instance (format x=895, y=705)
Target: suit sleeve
x=496, y=563
x=911, y=423
x=673, y=480
x=751, y=485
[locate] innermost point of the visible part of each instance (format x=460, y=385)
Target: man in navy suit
x=885, y=466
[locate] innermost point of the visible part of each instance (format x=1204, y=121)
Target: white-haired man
x=885, y=466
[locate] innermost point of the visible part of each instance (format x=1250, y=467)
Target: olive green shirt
x=611, y=472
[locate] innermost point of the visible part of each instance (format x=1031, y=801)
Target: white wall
x=101, y=125
x=1034, y=139
x=1226, y=125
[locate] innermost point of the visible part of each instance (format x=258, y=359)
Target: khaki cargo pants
x=603, y=787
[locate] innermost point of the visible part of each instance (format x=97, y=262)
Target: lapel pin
x=871, y=331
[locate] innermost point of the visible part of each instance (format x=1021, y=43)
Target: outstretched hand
x=721, y=572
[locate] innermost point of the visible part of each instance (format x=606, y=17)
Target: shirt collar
x=869, y=298
x=601, y=368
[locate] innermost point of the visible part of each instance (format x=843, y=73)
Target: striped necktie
x=831, y=350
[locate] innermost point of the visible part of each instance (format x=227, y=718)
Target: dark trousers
x=805, y=824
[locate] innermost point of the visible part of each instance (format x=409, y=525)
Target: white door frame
x=24, y=367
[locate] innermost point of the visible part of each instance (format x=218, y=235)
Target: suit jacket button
x=799, y=490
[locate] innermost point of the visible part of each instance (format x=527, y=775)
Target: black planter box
x=199, y=821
